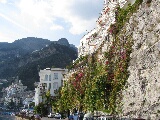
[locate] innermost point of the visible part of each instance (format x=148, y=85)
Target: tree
x=11, y=104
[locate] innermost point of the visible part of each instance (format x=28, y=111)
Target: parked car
x=106, y=117
x=51, y=115
x=12, y=114
x=57, y=116
x=88, y=116
x=37, y=116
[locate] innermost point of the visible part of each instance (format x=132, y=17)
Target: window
x=44, y=85
x=49, y=77
x=46, y=78
x=55, y=85
x=49, y=86
x=55, y=75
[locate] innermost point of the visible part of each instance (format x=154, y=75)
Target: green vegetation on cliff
x=97, y=84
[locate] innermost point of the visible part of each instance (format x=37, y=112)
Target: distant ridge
x=25, y=56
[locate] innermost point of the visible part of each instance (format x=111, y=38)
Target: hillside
x=54, y=55
x=21, y=47
x=27, y=64
x=25, y=46
x=118, y=69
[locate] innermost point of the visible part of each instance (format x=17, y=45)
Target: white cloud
x=56, y=27
x=80, y=26
x=43, y=13
x=40, y=18
x=3, y=1
x=64, y=9
x=34, y=13
x=12, y=21
x=3, y=37
x=7, y=36
x=36, y=9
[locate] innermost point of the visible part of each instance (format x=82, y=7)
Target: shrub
x=94, y=35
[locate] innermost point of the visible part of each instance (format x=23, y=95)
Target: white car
x=12, y=114
x=51, y=115
x=57, y=115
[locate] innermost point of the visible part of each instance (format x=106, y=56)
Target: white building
x=27, y=101
x=15, y=93
x=50, y=80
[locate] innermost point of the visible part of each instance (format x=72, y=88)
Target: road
x=7, y=117
x=45, y=118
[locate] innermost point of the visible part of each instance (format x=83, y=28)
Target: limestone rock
x=142, y=96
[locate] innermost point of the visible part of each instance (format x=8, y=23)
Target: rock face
x=63, y=41
x=141, y=98
x=141, y=94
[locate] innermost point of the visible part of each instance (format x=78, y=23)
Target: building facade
x=27, y=101
x=50, y=80
x=15, y=93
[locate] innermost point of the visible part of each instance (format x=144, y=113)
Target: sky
x=48, y=19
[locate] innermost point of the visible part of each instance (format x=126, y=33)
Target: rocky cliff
x=122, y=66
x=142, y=94
x=129, y=50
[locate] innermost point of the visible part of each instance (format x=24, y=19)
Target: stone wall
x=141, y=98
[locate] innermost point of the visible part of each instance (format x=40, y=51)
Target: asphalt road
x=46, y=118
x=7, y=117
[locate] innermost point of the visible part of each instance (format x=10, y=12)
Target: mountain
x=32, y=43
x=54, y=55
x=22, y=59
x=64, y=41
x=27, y=45
x=21, y=47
